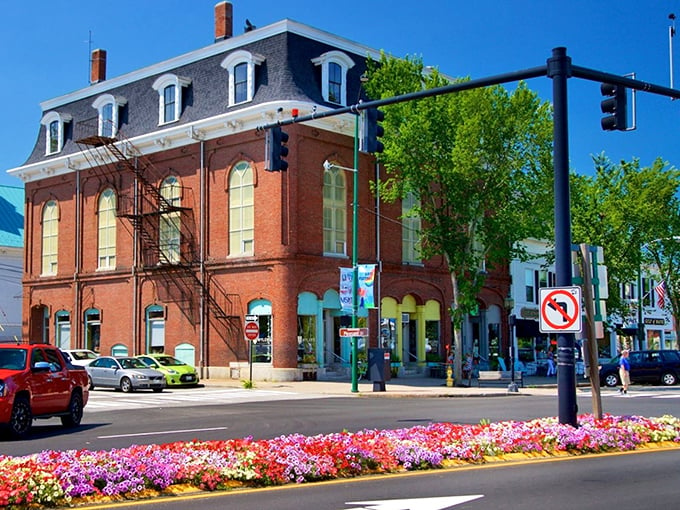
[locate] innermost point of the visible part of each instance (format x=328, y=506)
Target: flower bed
x=52, y=478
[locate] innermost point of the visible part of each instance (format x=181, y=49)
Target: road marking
x=161, y=432
x=439, y=503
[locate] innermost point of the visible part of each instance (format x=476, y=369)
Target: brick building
x=152, y=225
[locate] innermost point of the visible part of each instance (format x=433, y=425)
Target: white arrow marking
x=415, y=503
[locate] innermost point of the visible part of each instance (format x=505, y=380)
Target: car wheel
x=611, y=380
x=157, y=390
x=91, y=384
x=126, y=385
x=75, y=412
x=669, y=379
x=21, y=419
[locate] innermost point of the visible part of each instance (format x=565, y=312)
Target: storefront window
x=306, y=337
x=262, y=346
x=432, y=333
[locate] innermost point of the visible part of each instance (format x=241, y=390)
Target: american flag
x=660, y=295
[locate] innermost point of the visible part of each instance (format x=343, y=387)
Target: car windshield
x=131, y=363
x=13, y=359
x=83, y=355
x=169, y=361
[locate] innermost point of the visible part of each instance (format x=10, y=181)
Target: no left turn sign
x=560, y=310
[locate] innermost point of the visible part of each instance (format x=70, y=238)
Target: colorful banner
x=346, y=277
x=366, y=279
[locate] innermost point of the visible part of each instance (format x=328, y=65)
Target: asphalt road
x=265, y=419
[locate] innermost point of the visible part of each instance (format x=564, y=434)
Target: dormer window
x=109, y=107
x=334, y=67
x=169, y=88
x=241, y=67
x=54, y=131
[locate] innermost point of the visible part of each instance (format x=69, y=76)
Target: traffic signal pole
x=355, y=256
x=559, y=68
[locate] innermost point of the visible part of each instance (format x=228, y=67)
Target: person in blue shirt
x=624, y=371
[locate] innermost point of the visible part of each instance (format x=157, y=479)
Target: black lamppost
x=509, y=305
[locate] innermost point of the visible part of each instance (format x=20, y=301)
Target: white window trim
x=100, y=103
x=47, y=119
x=332, y=234
x=106, y=260
x=159, y=86
x=345, y=63
x=234, y=59
x=49, y=261
x=411, y=227
x=245, y=234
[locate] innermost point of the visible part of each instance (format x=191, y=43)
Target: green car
x=176, y=372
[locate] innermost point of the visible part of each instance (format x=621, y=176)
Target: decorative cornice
x=246, y=119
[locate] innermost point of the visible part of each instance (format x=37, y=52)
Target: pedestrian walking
x=624, y=372
x=551, y=363
x=467, y=368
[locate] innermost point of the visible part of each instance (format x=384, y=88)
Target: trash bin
x=378, y=366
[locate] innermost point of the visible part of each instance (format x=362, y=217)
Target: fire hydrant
x=449, y=373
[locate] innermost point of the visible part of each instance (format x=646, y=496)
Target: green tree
x=479, y=164
x=633, y=212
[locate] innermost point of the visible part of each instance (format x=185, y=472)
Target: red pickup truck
x=37, y=382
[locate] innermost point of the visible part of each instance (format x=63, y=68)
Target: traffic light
x=372, y=130
x=275, y=150
x=615, y=106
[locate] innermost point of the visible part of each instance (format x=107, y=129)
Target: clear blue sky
x=44, y=52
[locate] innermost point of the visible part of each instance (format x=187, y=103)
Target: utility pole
x=591, y=351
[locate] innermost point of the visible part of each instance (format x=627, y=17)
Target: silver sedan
x=124, y=373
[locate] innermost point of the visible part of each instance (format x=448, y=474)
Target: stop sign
x=252, y=330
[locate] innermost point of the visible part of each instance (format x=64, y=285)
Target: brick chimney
x=97, y=66
x=224, y=21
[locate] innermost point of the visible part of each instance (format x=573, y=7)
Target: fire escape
x=162, y=221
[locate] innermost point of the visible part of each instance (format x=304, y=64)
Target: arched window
x=241, y=68
x=169, y=235
x=50, y=238
x=63, y=329
x=262, y=349
x=334, y=212
x=106, y=232
x=108, y=107
x=54, y=123
x=410, y=230
x=169, y=88
x=334, y=67
x=155, y=328
x=93, y=326
x=241, y=210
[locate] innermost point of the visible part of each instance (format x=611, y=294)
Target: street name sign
x=345, y=332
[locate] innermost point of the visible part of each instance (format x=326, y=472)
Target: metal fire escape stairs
x=153, y=213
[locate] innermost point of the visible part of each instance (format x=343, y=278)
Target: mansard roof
x=287, y=73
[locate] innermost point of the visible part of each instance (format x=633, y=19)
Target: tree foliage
x=633, y=212
x=479, y=163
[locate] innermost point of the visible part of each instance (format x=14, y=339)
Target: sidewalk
x=400, y=387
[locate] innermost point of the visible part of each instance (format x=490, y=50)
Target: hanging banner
x=366, y=278
x=346, y=276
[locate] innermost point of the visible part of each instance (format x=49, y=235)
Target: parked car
x=177, y=373
x=125, y=373
x=37, y=382
x=653, y=366
x=79, y=357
